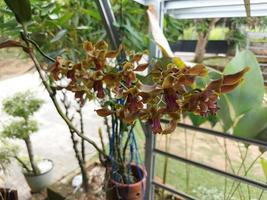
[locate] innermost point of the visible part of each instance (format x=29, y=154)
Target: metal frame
x=108, y=19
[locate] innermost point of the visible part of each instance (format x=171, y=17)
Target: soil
x=64, y=188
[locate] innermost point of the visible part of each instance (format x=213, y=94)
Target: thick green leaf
x=21, y=9
x=196, y=119
x=252, y=123
x=264, y=167
x=250, y=93
x=59, y=35
x=224, y=113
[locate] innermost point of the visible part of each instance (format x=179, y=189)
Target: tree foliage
x=22, y=104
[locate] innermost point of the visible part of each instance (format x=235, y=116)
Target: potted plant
x=125, y=96
x=21, y=107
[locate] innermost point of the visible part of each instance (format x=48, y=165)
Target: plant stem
x=127, y=142
x=261, y=194
x=82, y=131
x=80, y=161
x=23, y=164
x=246, y=172
x=31, y=156
x=79, y=158
x=243, y=159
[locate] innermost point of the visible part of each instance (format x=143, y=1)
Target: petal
x=198, y=70
x=141, y=67
x=104, y=112
x=88, y=46
x=171, y=127
x=234, y=78
x=229, y=88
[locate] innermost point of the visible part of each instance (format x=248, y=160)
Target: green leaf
x=252, y=123
x=224, y=113
x=196, y=119
x=92, y=13
x=250, y=93
x=21, y=9
x=264, y=167
x=59, y=35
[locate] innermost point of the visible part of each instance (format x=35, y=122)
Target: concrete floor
x=53, y=139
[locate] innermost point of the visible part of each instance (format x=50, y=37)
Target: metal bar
x=108, y=19
x=149, y=160
x=206, y=167
x=247, y=6
x=171, y=190
x=150, y=137
x=221, y=134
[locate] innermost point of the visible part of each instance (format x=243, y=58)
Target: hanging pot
x=43, y=180
x=134, y=191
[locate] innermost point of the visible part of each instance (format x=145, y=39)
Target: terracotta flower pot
x=135, y=191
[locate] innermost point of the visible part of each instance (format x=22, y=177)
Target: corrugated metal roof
x=192, y=9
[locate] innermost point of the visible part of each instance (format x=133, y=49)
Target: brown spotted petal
x=98, y=87
x=129, y=77
x=101, y=45
x=55, y=69
x=215, y=85
x=141, y=67
x=137, y=57
x=186, y=80
x=88, y=46
x=111, y=80
x=133, y=104
x=198, y=70
x=232, y=79
x=155, y=125
x=229, y=88
x=112, y=54
x=168, y=82
x=171, y=127
x=104, y=112
x=171, y=98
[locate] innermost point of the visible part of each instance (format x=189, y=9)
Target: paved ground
x=52, y=140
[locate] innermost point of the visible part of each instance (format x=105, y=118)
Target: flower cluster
x=168, y=90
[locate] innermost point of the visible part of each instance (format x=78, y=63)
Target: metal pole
x=150, y=137
x=108, y=19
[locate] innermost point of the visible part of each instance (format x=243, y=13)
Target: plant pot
x=135, y=191
x=42, y=181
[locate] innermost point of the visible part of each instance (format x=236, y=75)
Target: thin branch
x=23, y=164
x=127, y=141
